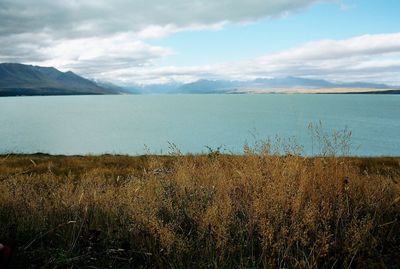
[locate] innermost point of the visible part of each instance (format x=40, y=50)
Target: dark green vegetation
x=211, y=211
x=19, y=79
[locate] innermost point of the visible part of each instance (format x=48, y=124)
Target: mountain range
x=19, y=79
x=260, y=84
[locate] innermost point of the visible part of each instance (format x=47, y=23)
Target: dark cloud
x=74, y=18
x=93, y=35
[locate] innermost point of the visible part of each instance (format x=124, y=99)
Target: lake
x=138, y=124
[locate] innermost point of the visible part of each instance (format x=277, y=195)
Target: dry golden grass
x=211, y=211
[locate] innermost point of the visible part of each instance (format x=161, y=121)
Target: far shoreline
x=306, y=91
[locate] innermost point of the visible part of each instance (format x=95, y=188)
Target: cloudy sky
x=158, y=41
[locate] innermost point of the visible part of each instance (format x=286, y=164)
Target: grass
x=204, y=211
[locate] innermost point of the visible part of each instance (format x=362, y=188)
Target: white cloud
x=94, y=55
x=156, y=31
x=345, y=60
x=369, y=58
x=86, y=56
x=333, y=49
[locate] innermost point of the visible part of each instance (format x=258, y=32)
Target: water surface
x=125, y=124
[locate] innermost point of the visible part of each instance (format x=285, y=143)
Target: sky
x=129, y=42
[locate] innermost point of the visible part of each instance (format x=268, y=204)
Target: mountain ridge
x=273, y=84
x=269, y=85
x=19, y=79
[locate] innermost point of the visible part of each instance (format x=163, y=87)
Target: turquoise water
x=125, y=124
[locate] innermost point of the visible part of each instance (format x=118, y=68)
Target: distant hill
x=111, y=86
x=226, y=86
x=19, y=79
x=210, y=86
x=165, y=88
x=267, y=84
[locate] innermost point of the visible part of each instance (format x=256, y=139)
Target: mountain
x=209, y=86
x=200, y=86
x=19, y=79
x=111, y=86
x=291, y=82
x=165, y=88
x=280, y=84
x=226, y=86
